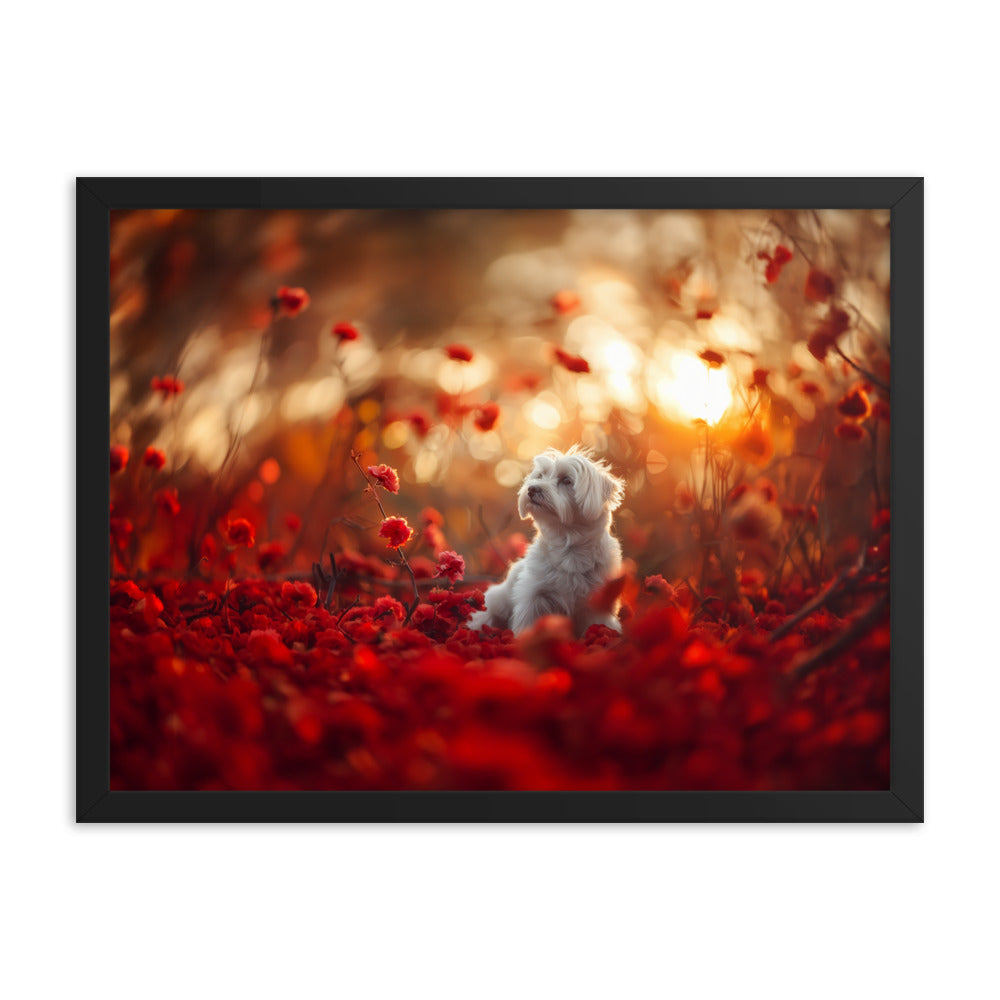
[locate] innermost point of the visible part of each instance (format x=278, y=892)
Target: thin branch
x=822, y=598
x=814, y=659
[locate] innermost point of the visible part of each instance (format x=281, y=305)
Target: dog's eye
x=565, y=481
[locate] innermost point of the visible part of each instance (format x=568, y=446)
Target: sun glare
x=692, y=390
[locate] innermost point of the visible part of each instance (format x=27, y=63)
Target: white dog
x=570, y=498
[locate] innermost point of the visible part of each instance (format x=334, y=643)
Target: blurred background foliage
x=712, y=357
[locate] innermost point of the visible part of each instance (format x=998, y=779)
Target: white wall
x=763, y=88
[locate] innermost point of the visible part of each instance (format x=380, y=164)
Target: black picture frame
x=902, y=802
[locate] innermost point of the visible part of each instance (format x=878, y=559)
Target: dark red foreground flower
x=395, y=531
x=291, y=301
x=572, y=362
x=119, y=458
x=458, y=352
x=167, y=385
x=154, y=458
x=240, y=531
x=385, y=476
x=487, y=416
x=450, y=565
x=345, y=332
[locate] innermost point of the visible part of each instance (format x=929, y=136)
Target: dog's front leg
x=531, y=606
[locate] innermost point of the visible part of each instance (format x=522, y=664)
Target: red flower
x=849, y=431
x=270, y=555
x=782, y=255
x=240, y=531
x=430, y=515
x=119, y=458
x=386, y=477
x=855, y=404
x=760, y=378
x=819, y=285
x=291, y=301
x=395, y=531
x=345, y=331
x=657, y=585
x=298, y=593
x=167, y=385
x=458, y=352
x=451, y=565
x=565, y=301
x=755, y=445
x=293, y=522
x=712, y=358
x=154, y=458
x=836, y=322
x=420, y=422
x=880, y=408
x=571, y=362
x=166, y=500
x=487, y=416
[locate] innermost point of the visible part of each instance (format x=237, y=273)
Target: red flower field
x=306, y=510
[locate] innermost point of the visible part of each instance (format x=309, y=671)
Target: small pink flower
x=385, y=476
x=451, y=565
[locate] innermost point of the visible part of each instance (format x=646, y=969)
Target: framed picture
x=454, y=499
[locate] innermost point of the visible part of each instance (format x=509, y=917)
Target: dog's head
x=569, y=490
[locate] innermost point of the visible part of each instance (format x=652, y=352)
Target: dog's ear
x=614, y=490
x=597, y=490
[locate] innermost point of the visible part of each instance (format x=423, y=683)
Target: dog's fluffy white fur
x=570, y=498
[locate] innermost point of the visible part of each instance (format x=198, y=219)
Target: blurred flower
x=571, y=362
x=657, y=585
x=420, y=422
x=166, y=500
x=240, y=531
x=849, y=431
x=451, y=565
x=154, y=458
x=782, y=255
x=119, y=458
x=395, y=531
x=753, y=518
x=429, y=515
x=684, y=497
x=760, y=378
x=293, y=522
x=167, y=385
x=487, y=416
x=270, y=555
x=565, y=301
x=712, y=358
x=819, y=285
x=855, y=404
x=836, y=322
x=458, y=352
x=880, y=410
x=755, y=445
x=345, y=332
x=291, y=301
x=121, y=530
x=385, y=476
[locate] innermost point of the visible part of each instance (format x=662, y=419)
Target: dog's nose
x=533, y=492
